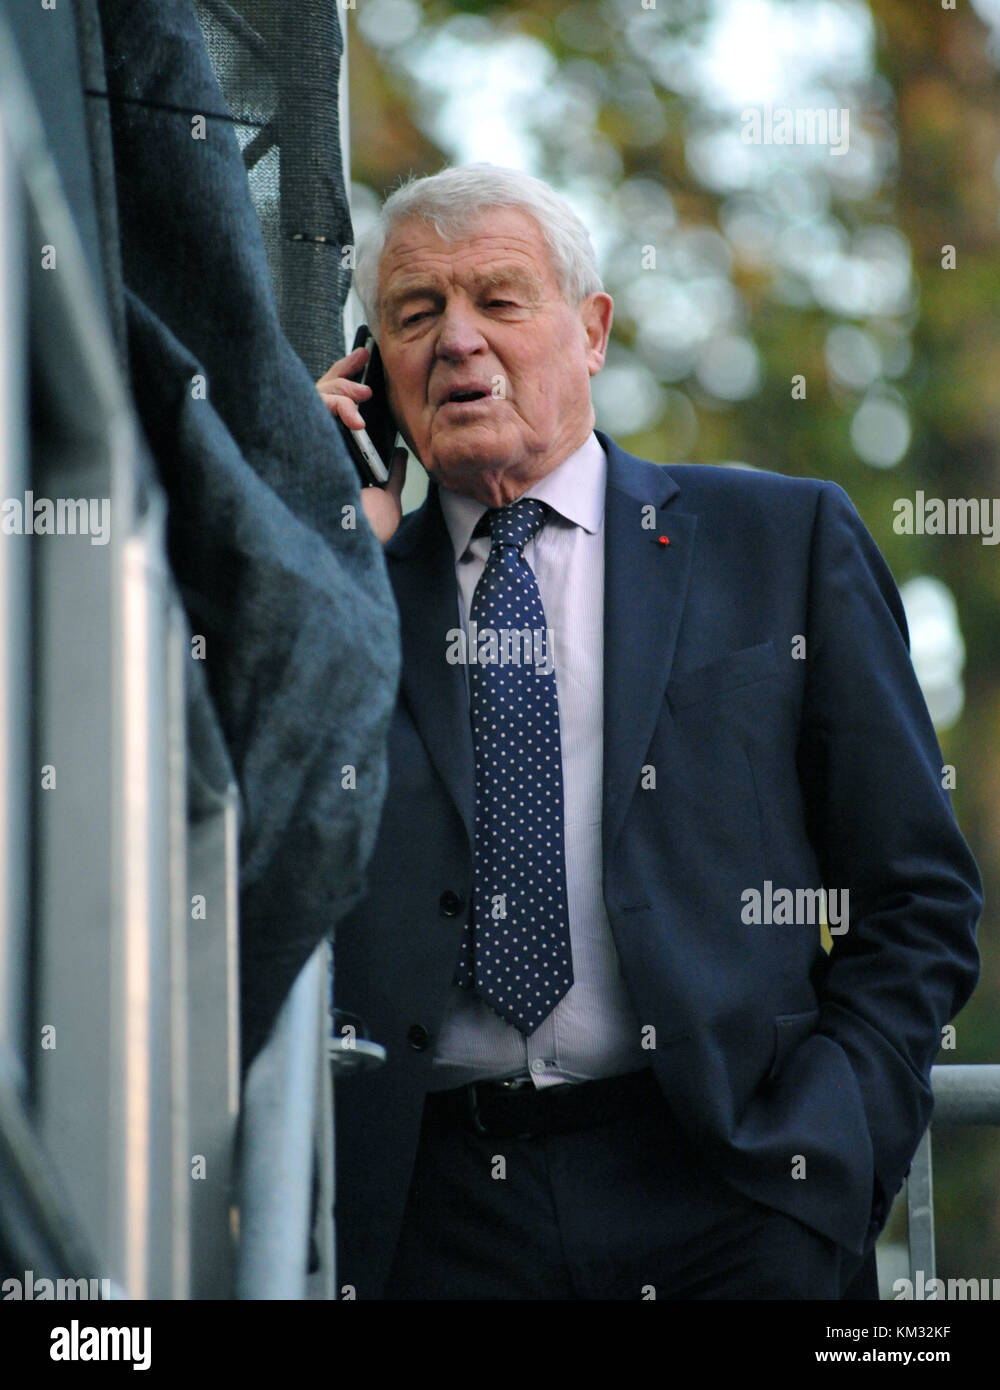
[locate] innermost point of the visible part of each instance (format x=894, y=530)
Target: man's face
x=488, y=367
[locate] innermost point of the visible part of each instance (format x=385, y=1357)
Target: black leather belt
x=522, y=1112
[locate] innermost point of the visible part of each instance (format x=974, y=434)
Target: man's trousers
x=616, y=1210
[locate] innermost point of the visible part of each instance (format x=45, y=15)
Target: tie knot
x=516, y=524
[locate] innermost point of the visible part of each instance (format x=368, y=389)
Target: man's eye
x=414, y=318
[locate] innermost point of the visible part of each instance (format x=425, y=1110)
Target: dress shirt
x=593, y=1031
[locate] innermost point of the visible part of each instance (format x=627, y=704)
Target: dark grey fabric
x=277, y=66
x=300, y=626
x=315, y=217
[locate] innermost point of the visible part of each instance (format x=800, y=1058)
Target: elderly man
x=646, y=713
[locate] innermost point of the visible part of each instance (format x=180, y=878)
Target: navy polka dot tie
x=516, y=950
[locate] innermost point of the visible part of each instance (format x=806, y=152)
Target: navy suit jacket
x=802, y=1077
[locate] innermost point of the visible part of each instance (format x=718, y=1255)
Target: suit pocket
x=789, y=1031
x=726, y=673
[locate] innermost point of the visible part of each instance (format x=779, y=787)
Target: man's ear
x=597, y=312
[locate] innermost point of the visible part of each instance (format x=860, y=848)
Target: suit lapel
x=645, y=584
x=422, y=569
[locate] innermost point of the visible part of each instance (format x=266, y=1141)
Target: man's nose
x=459, y=332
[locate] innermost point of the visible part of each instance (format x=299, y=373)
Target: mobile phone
x=372, y=447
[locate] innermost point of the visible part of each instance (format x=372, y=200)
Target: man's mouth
x=462, y=396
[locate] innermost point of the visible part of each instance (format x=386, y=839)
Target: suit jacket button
x=418, y=1037
x=450, y=904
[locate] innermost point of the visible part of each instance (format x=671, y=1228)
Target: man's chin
x=470, y=459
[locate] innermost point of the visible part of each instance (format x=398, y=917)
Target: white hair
x=455, y=198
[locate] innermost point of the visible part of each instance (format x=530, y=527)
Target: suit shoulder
x=712, y=479
x=752, y=496
x=711, y=484
x=756, y=495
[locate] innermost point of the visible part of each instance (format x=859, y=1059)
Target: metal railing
x=119, y=1051
x=283, y=1103
x=963, y=1095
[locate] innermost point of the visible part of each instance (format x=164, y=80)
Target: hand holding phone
x=361, y=404
x=347, y=397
